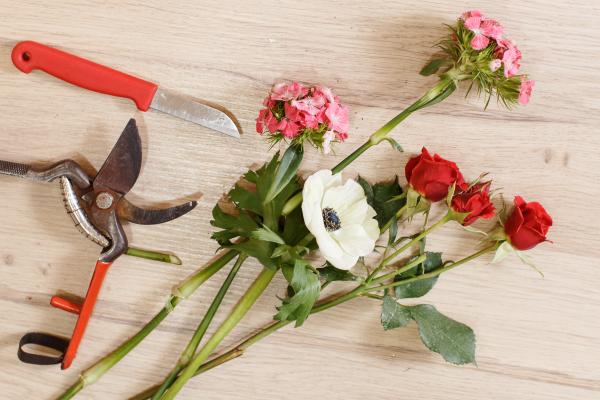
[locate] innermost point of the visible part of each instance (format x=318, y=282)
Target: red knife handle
x=86, y=311
x=78, y=71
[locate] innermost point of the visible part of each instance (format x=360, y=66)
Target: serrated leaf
x=453, y=340
x=233, y=225
x=286, y=171
x=432, y=67
x=379, y=197
x=306, y=289
x=331, y=274
x=266, y=235
x=394, y=315
x=416, y=289
x=245, y=199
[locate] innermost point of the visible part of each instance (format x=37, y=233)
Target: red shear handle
x=29, y=55
x=86, y=311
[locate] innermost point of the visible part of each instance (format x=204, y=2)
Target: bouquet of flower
x=283, y=221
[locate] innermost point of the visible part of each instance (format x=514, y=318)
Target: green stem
x=416, y=239
x=436, y=272
x=399, y=213
x=399, y=271
x=194, y=342
x=94, y=373
x=362, y=290
x=355, y=154
x=153, y=255
x=194, y=281
x=236, y=315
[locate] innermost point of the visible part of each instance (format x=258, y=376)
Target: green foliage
x=433, y=66
x=305, y=290
x=286, y=170
x=331, y=274
x=394, y=315
x=453, y=340
x=432, y=262
x=384, y=198
x=256, y=226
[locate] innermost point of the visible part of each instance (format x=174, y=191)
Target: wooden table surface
x=538, y=338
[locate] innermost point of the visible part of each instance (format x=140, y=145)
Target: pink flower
x=291, y=129
x=284, y=91
x=495, y=64
x=483, y=28
x=310, y=104
x=273, y=125
x=293, y=111
x=510, y=55
x=261, y=120
x=338, y=117
x=327, y=93
x=525, y=90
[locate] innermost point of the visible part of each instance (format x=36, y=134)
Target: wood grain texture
x=537, y=338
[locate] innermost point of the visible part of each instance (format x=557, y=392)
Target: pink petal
x=525, y=91
x=479, y=42
x=473, y=13
x=492, y=29
x=473, y=23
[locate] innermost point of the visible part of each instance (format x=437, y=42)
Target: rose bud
x=431, y=177
x=474, y=202
x=528, y=224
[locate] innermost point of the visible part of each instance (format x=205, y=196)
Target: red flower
x=475, y=201
x=431, y=177
x=528, y=224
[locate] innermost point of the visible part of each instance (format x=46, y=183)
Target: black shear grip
x=57, y=343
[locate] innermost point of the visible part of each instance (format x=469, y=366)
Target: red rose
x=431, y=177
x=528, y=224
x=475, y=201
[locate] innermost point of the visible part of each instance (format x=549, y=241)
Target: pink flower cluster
x=506, y=53
x=292, y=108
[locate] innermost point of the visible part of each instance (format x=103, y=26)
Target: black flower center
x=331, y=219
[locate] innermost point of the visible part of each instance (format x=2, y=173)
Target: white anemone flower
x=339, y=218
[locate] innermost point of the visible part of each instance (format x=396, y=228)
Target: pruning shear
x=96, y=206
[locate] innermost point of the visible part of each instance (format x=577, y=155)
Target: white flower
x=339, y=217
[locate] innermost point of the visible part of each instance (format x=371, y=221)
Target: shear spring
x=80, y=219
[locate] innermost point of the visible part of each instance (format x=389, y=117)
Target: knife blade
x=28, y=56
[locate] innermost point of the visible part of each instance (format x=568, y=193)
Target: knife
x=29, y=55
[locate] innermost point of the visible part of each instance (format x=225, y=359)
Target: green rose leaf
x=331, y=274
x=394, y=315
x=432, y=262
x=381, y=197
x=432, y=67
x=305, y=285
x=453, y=340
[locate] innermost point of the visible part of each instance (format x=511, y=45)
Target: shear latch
x=57, y=343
